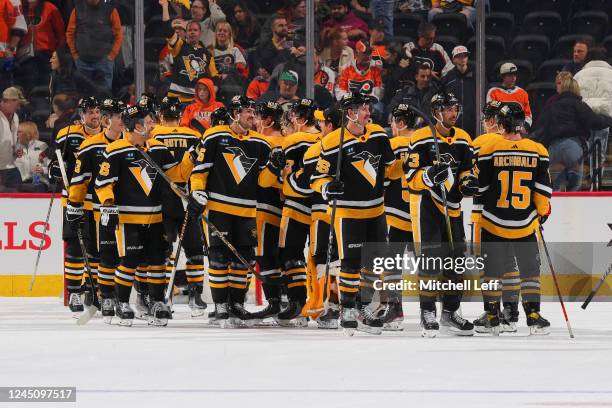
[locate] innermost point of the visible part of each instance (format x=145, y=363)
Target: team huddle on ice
x=259, y=191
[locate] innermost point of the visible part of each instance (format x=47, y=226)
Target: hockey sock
x=106, y=280
x=156, y=281
x=140, y=282
x=124, y=279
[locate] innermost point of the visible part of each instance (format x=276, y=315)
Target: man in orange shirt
x=510, y=92
x=94, y=36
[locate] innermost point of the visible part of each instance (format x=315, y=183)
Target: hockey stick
x=597, y=287
x=42, y=241
x=91, y=310
x=552, y=271
x=333, y=213
x=442, y=189
x=179, y=191
x=170, y=287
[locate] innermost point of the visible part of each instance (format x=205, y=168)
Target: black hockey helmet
x=443, y=100
x=270, y=109
x=111, y=106
x=304, y=108
x=170, y=107
x=220, y=117
x=403, y=112
x=511, y=117
x=147, y=103
x=490, y=109
x=240, y=102
x=351, y=101
x=91, y=102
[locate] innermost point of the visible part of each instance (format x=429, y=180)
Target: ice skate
x=125, y=313
x=329, y=319
x=348, y=320
x=429, y=324
x=239, y=317
x=291, y=315
x=455, y=324
x=488, y=323
x=509, y=318
x=537, y=324
x=392, y=316
x=142, y=306
x=75, y=304
x=270, y=311
x=89, y=300
x=108, y=310
x=159, y=314
x=367, y=321
x=196, y=304
x=212, y=318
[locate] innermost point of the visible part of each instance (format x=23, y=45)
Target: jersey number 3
x=521, y=195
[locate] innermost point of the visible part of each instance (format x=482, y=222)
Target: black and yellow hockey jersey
x=367, y=161
x=397, y=195
x=294, y=147
x=457, y=151
x=68, y=141
x=130, y=182
x=269, y=204
x=230, y=167
x=477, y=144
x=514, y=187
x=89, y=158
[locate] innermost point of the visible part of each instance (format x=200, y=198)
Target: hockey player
x=68, y=141
x=83, y=203
x=179, y=140
x=366, y=161
x=269, y=212
x=297, y=184
x=295, y=222
x=426, y=177
x=129, y=190
x=232, y=162
x=514, y=192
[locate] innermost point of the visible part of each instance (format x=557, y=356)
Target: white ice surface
x=188, y=365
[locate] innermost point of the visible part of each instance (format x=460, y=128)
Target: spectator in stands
x=7, y=45
x=462, y=83
x=94, y=36
x=276, y=49
x=260, y=84
x=230, y=63
x=426, y=50
x=165, y=55
x=418, y=93
x=361, y=8
x=595, y=80
x=12, y=101
x=63, y=108
x=397, y=72
x=324, y=76
x=207, y=13
x=362, y=76
x=336, y=54
x=247, y=27
x=419, y=8
x=205, y=103
x=377, y=41
x=192, y=60
x=382, y=10
x=465, y=7
x=579, y=56
x=510, y=92
x=563, y=128
x=45, y=35
x=66, y=80
x=32, y=161
x=344, y=17
x=286, y=90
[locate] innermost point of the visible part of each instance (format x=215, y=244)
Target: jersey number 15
x=520, y=194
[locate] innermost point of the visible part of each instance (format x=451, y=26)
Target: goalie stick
x=91, y=310
x=179, y=191
x=597, y=287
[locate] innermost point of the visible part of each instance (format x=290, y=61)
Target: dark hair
x=424, y=28
x=584, y=41
x=420, y=67
x=66, y=63
x=64, y=102
x=597, y=53
x=250, y=24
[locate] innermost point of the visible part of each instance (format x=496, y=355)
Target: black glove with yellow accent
x=468, y=185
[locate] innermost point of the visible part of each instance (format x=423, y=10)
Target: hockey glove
x=332, y=190
x=74, y=215
x=109, y=216
x=468, y=186
x=435, y=175
x=544, y=217
x=277, y=160
x=55, y=173
x=196, y=203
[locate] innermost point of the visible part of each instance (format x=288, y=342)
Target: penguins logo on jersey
x=367, y=166
x=450, y=160
x=144, y=174
x=194, y=66
x=239, y=163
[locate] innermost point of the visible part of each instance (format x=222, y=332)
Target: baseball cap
x=13, y=93
x=508, y=68
x=290, y=76
x=460, y=49
x=363, y=46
